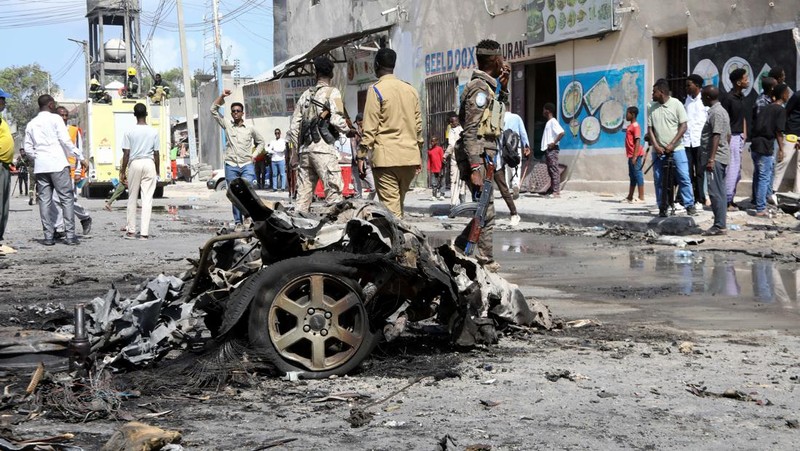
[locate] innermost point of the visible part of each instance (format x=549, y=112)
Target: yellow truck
x=105, y=126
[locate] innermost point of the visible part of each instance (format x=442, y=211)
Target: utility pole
x=218, y=63
x=187, y=89
x=85, y=46
x=126, y=30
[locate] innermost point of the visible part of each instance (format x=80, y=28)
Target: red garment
x=634, y=132
x=435, y=158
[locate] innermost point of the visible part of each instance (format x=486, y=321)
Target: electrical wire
x=23, y=14
x=64, y=70
x=246, y=7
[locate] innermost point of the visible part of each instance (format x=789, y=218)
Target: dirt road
x=687, y=351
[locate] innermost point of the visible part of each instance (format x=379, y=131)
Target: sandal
x=130, y=236
x=144, y=238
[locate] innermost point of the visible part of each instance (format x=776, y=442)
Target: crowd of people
x=698, y=145
x=386, y=141
x=53, y=156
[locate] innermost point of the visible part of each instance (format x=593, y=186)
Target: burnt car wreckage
x=327, y=288
x=309, y=294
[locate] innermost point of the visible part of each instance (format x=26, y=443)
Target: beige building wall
x=424, y=28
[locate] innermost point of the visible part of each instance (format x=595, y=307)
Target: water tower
x=114, y=38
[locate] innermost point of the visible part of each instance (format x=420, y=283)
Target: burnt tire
x=308, y=316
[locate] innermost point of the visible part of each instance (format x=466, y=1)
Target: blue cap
x=4, y=94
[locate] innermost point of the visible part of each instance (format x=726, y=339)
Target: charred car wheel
x=307, y=315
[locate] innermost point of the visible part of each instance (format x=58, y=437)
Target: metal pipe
x=79, y=347
x=80, y=322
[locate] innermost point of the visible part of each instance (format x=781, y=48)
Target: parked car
x=217, y=180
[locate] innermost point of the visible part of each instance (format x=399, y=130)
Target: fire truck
x=105, y=126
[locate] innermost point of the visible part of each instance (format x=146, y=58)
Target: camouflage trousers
x=316, y=166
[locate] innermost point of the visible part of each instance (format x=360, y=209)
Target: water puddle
x=718, y=274
x=609, y=270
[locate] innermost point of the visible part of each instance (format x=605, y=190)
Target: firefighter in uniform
x=131, y=84
x=316, y=124
x=481, y=115
x=159, y=91
x=97, y=93
x=392, y=134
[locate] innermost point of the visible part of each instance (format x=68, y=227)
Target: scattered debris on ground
x=554, y=376
x=702, y=391
x=141, y=437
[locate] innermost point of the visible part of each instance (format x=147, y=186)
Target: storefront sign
x=274, y=98
x=360, y=68
x=464, y=58
x=592, y=105
x=551, y=21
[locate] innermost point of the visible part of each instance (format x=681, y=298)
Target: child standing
x=635, y=153
x=435, y=158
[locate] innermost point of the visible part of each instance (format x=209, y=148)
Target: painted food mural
x=571, y=100
x=612, y=115
x=559, y=20
x=731, y=65
x=755, y=51
x=593, y=105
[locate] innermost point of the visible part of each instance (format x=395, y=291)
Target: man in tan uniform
x=392, y=132
x=316, y=123
x=481, y=115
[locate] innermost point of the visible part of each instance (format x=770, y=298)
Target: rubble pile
x=333, y=282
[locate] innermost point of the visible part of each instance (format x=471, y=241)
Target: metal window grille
x=677, y=65
x=441, y=91
x=442, y=99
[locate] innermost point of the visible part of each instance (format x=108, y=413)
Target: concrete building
x=592, y=58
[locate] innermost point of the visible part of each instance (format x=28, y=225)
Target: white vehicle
x=217, y=180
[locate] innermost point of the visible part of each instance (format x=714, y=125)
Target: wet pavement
x=691, y=288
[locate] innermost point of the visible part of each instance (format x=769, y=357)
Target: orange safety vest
x=76, y=135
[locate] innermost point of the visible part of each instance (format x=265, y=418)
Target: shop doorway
x=533, y=85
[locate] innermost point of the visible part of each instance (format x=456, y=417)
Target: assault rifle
x=327, y=132
x=479, y=219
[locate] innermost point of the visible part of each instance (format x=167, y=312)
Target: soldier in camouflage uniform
x=481, y=116
x=319, y=160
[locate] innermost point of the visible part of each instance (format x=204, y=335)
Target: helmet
x=132, y=71
x=94, y=82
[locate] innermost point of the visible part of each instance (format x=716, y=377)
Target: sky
x=37, y=31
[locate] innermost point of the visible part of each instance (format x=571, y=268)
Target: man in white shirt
x=47, y=142
x=457, y=189
x=553, y=132
x=277, y=150
x=140, y=169
x=697, y=114
x=75, y=134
